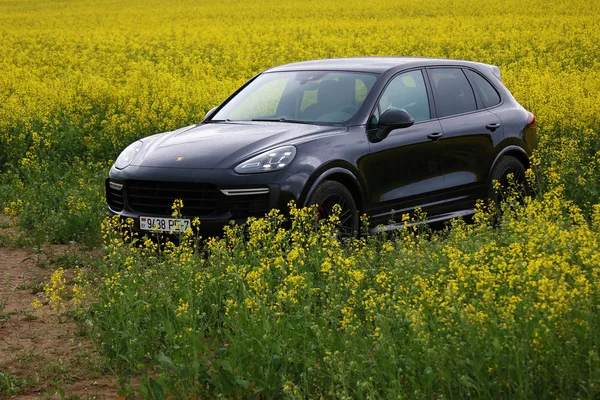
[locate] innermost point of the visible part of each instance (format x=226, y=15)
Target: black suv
x=376, y=135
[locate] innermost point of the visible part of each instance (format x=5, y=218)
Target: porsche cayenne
x=376, y=135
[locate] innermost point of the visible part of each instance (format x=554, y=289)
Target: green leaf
x=243, y=383
x=165, y=361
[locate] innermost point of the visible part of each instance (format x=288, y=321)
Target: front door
x=404, y=171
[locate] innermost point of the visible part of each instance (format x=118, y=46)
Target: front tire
x=326, y=196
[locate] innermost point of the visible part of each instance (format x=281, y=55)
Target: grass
x=33, y=288
x=10, y=385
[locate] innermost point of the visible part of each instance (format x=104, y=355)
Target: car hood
x=223, y=145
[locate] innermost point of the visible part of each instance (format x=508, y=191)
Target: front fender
x=340, y=174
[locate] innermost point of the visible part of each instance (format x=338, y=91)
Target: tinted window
x=407, y=92
x=452, y=92
x=489, y=96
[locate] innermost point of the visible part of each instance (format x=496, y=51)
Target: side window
x=407, y=92
x=489, y=96
x=452, y=91
x=374, y=119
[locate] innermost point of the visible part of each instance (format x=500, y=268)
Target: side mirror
x=209, y=113
x=390, y=120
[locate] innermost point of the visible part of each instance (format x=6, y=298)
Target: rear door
x=467, y=148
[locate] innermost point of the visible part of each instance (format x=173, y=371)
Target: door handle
x=493, y=127
x=435, y=136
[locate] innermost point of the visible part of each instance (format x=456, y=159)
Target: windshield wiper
x=282, y=120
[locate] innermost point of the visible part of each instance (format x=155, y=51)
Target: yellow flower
x=182, y=307
x=36, y=304
x=55, y=290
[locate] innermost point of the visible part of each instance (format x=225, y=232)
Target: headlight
x=271, y=160
x=127, y=155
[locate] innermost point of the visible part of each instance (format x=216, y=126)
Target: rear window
x=452, y=92
x=488, y=95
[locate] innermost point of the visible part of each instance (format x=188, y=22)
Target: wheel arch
x=515, y=151
x=343, y=176
x=511, y=150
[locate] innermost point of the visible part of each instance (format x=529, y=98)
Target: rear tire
x=505, y=166
x=330, y=193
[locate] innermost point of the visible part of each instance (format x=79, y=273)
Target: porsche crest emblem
x=179, y=158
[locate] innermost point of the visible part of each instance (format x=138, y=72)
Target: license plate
x=164, y=224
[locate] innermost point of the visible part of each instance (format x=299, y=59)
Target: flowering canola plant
x=508, y=310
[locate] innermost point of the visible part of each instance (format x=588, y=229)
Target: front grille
x=256, y=205
x=114, y=197
x=152, y=197
x=199, y=199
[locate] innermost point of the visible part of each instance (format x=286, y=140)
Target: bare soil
x=48, y=358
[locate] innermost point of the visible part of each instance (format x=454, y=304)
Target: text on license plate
x=164, y=224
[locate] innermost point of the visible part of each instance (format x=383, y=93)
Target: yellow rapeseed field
x=85, y=78
x=496, y=309
x=81, y=80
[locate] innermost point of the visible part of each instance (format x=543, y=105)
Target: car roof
x=372, y=64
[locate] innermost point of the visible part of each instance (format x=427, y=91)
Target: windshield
x=328, y=97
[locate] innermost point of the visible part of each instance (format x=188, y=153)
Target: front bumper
x=275, y=191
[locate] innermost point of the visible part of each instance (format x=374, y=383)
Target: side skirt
x=435, y=220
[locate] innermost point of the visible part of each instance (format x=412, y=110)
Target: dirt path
x=40, y=357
